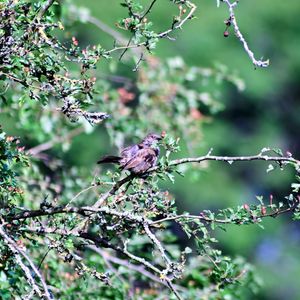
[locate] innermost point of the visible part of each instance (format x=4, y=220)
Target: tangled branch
x=28, y=272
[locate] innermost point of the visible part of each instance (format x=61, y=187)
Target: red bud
x=226, y=33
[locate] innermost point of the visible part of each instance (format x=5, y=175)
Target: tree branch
x=43, y=10
x=231, y=159
x=204, y=218
x=59, y=139
x=232, y=20
x=18, y=252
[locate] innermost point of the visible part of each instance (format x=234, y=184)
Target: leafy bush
x=68, y=232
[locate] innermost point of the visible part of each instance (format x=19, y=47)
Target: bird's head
x=151, y=139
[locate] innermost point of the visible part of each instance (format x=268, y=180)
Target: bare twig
x=105, y=256
x=190, y=14
x=151, y=267
x=156, y=242
x=113, y=190
x=123, y=262
x=173, y=289
x=105, y=28
x=148, y=10
x=80, y=193
x=231, y=159
x=257, y=63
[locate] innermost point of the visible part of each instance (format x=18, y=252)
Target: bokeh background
x=265, y=114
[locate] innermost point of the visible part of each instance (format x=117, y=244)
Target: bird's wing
x=129, y=152
x=142, y=161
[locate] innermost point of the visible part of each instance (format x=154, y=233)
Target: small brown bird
x=138, y=158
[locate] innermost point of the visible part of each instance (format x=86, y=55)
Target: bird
x=137, y=158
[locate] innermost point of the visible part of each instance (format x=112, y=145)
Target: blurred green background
x=265, y=114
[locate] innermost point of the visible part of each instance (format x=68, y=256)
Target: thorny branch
x=232, y=20
x=231, y=159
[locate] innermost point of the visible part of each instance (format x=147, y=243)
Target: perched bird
x=138, y=158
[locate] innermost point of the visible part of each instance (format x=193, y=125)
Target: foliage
x=68, y=234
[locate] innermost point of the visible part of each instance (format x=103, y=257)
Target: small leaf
x=270, y=168
x=278, y=151
x=295, y=187
x=188, y=250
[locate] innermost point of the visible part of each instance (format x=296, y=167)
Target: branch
x=153, y=268
x=96, y=207
x=231, y=159
x=98, y=241
x=105, y=28
x=84, y=211
x=113, y=190
x=125, y=263
x=163, y=34
x=18, y=252
x=204, y=218
x=232, y=20
x=156, y=242
x=149, y=9
x=59, y=139
x=133, y=217
x=193, y=7
x=43, y=10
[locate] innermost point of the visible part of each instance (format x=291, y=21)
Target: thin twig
x=173, y=289
x=43, y=10
x=153, y=268
x=105, y=28
x=113, y=190
x=125, y=263
x=273, y=214
x=80, y=193
x=156, y=242
x=257, y=63
x=163, y=34
x=148, y=10
x=229, y=159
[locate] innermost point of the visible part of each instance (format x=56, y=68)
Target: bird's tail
x=109, y=159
